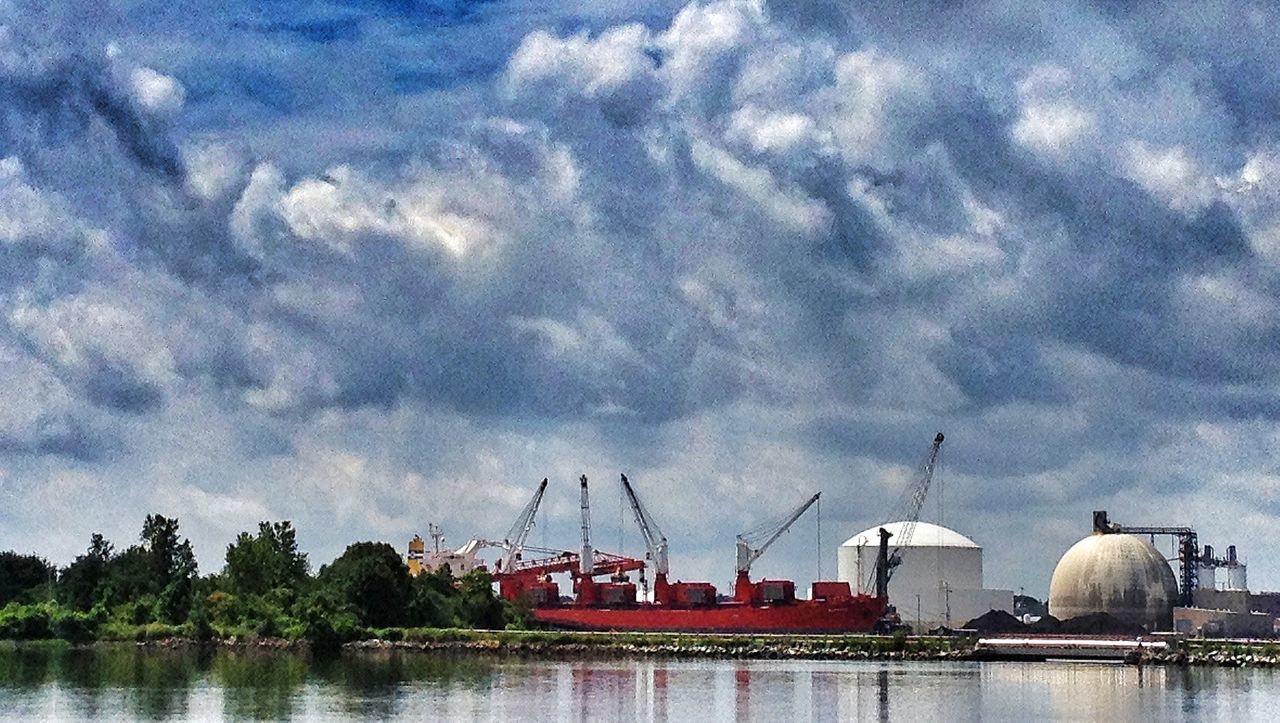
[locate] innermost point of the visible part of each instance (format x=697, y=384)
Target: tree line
x=153, y=588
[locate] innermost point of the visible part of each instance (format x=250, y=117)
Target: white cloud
x=791, y=208
x=765, y=131
x=1170, y=174
x=873, y=105
x=157, y=92
x=592, y=67
x=1052, y=127
x=702, y=38
x=1051, y=121
x=1219, y=304
x=591, y=340
x=255, y=220
x=220, y=511
x=213, y=170
x=76, y=333
x=298, y=374
x=34, y=397
x=344, y=207
x=36, y=217
x=1254, y=191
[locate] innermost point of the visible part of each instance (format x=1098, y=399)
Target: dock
x=1063, y=647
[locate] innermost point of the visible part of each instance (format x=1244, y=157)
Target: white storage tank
x=1237, y=579
x=939, y=581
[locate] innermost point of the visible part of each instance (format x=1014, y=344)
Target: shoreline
x=595, y=645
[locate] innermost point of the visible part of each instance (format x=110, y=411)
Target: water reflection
x=258, y=686
x=132, y=683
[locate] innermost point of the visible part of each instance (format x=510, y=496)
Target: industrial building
x=1117, y=571
x=1225, y=608
x=938, y=581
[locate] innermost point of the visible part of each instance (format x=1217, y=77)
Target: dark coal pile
x=996, y=621
x=1099, y=624
x=1000, y=622
x=1046, y=625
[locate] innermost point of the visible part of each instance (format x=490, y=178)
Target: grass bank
x=569, y=644
x=1228, y=653
x=685, y=645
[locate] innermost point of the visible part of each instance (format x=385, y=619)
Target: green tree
x=371, y=578
x=168, y=558
x=157, y=577
x=128, y=578
x=478, y=607
x=257, y=564
x=431, y=603
x=80, y=583
x=19, y=574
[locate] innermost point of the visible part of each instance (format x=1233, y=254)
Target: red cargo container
x=831, y=590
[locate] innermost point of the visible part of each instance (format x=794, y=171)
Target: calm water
x=126, y=684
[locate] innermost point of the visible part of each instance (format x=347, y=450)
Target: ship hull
x=857, y=615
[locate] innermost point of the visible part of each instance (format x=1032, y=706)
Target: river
x=129, y=683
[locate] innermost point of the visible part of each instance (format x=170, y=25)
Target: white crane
x=753, y=543
x=513, y=543
x=769, y=534
x=588, y=555
x=655, y=542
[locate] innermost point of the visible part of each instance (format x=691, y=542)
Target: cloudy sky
x=366, y=265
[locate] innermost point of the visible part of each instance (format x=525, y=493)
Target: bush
x=267, y=627
x=327, y=625
x=162, y=631
x=26, y=622
x=223, y=607
x=75, y=627
x=391, y=634
x=295, y=630
x=201, y=625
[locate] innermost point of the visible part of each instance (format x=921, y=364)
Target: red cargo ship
x=766, y=606
x=839, y=612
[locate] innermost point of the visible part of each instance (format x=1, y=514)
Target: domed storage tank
x=936, y=565
x=1121, y=575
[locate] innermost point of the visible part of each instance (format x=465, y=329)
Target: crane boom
x=918, y=494
x=747, y=554
x=587, y=552
x=654, y=540
x=519, y=532
x=907, y=511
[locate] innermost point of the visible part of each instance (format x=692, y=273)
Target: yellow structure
x=460, y=561
x=417, y=551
